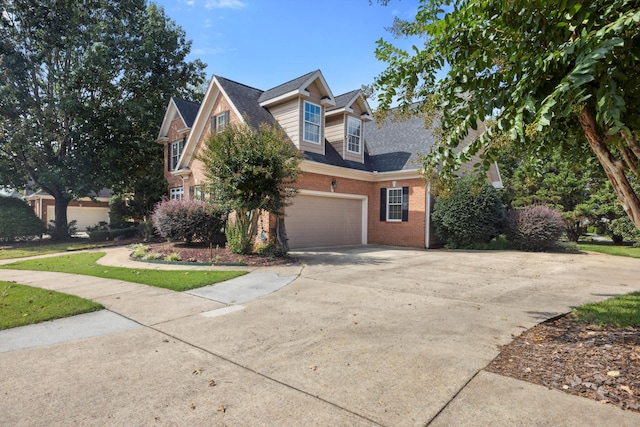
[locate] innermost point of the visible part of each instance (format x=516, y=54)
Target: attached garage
x=84, y=215
x=326, y=219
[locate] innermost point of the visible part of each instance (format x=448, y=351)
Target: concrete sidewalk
x=365, y=336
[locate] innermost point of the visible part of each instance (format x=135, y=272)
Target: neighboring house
x=84, y=211
x=360, y=184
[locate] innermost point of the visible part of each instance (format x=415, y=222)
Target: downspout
x=427, y=222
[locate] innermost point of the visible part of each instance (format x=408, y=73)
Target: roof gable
x=295, y=87
x=345, y=102
x=178, y=108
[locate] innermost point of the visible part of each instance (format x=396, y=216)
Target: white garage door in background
x=318, y=220
x=86, y=217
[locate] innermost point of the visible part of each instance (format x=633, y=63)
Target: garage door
x=314, y=221
x=85, y=216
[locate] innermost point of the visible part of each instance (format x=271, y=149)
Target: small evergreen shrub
x=118, y=212
x=472, y=214
x=625, y=230
x=18, y=221
x=535, y=228
x=102, y=235
x=272, y=250
x=189, y=221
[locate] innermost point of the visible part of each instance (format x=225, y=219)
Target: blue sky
x=264, y=43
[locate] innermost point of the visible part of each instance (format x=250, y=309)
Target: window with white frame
x=176, y=151
x=176, y=193
x=394, y=204
x=354, y=133
x=312, y=122
x=219, y=122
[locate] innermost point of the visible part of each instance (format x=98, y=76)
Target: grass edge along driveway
x=85, y=264
x=22, y=305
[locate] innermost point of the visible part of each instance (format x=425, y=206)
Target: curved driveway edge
x=365, y=336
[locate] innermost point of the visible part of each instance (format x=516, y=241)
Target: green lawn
x=28, y=251
x=85, y=264
x=611, y=250
x=620, y=311
x=24, y=305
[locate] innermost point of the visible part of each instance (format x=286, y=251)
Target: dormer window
x=354, y=135
x=219, y=122
x=312, y=122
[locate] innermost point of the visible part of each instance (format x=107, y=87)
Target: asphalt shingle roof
x=188, y=110
x=332, y=157
x=397, y=145
x=341, y=100
x=246, y=100
x=287, y=87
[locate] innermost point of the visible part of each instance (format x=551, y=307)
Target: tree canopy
x=83, y=88
x=251, y=170
x=548, y=74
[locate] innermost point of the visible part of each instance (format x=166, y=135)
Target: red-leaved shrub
x=534, y=228
x=189, y=221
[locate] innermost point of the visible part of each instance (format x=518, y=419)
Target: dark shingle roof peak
x=187, y=109
x=343, y=100
x=245, y=99
x=284, y=88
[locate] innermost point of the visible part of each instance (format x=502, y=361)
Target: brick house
x=360, y=183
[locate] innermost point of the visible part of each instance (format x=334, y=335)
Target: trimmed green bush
x=18, y=221
x=190, y=221
x=471, y=214
x=535, y=228
x=102, y=235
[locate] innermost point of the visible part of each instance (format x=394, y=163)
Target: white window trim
x=176, y=193
x=176, y=144
x=305, y=121
x=394, y=204
x=359, y=151
x=216, y=119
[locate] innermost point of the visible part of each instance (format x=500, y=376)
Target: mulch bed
x=600, y=363
x=221, y=256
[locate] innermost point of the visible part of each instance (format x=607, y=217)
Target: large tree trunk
x=613, y=167
x=61, y=230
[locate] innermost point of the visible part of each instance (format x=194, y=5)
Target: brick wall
x=410, y=233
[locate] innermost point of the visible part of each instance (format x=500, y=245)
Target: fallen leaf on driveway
x=313, y=367
x=197, y=371
x=212, y=383
x=222, y=409
x=192, y=406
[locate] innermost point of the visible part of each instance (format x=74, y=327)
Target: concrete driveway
x=365, y=336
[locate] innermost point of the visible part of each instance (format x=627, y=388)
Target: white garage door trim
x=364, y=203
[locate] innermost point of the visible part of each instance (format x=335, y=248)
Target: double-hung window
x=219, y=122
x=312, y=122
x=175, y=151
x=394, y=204
x=354, y=133
x=176, y=193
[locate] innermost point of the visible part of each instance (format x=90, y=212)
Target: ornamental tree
x=83, y=88
x=251, y=170
x=548, y=73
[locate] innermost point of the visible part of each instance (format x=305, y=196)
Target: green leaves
x=530, y=67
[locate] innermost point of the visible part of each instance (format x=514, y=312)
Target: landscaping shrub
x=535, y=228
x=236, y=233
x=189, y=221
x=18, y=221
x=102, y=235
x=118, y=212
x=471, y=214
x=625, y=231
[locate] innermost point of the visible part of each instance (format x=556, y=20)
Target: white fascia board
x=284, y=97
x=172, y=109
x=318, y=76
x=340, y=172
